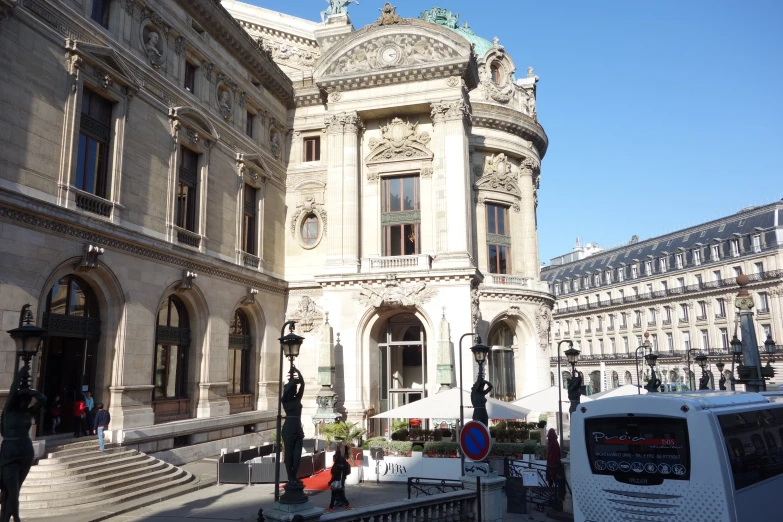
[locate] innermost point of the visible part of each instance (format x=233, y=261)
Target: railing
x=186, y=237
x=651, y=323
x=396, y=263
x=457, y=505
x=418, y=487
x=544, y=495
x=701, y=317
x=93, y=203
x=250, y=261
x=754, y=278
x=662, y=354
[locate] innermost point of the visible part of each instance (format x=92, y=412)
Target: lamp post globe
x=701, y=360
x=769, y=345
x=720, y=366
x=27, y=335
x=480, y=351
x=651, y=359
x=736, y=346
x=291, y=344
x=572, y=356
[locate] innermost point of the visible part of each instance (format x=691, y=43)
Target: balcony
x=701, y=318
x=414, y=263
x=92, y=203
x=588, y=330
x=623, y=327
x=651, y=323
x=250, y=261
x=517, y=282
x=637, y=326
x=682, y=320
x=610, y=328
x=666, y=322
x=599, y=329
x=187, y=237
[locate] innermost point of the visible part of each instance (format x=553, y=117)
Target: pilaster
x=526, y=238
x=451, y=121
x=350, y=208
x=334, y=191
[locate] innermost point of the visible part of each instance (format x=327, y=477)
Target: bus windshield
x=638, y=450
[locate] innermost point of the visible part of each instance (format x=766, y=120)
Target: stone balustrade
x=396, y=263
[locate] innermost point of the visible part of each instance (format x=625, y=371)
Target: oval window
x=310, y=230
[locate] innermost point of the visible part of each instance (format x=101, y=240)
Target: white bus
x=695, y=456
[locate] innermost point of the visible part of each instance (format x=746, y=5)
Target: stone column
x=334, y=190
x=526, y=249
x=451, y=120
x=491, y=496
x=326, y=397
x=350, y=206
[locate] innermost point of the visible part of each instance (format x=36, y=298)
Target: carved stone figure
x=475, y=308
x=336, y=7
x=16, y=451
x=152, y=45
x=478, y=397
x=274, y=144
x=654, y=383
x=543, y=323
x=293, y=436
x=289, y=54
x=395, y=295
x=441, y=16
x=389, y=17
x=224, y=103
x=574, y=385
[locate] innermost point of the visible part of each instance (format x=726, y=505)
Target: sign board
x=530, y=479
x=475, y=441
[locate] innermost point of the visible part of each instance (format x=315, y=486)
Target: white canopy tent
x=445, y=405
x=545, y=401
x=620, y=391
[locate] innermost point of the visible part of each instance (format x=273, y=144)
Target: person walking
x=54, y=411
x=79, y=417
x=89, y=406
x=337, y=481
x=102, y=419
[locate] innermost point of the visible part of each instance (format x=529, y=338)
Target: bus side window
x=771, y=442
x=750, y=440
x=736, y=448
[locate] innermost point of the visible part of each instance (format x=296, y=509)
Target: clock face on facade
x=390, y=55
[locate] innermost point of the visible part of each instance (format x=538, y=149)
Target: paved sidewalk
x=232, y=503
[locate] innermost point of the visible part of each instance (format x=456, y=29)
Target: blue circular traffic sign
x=474, y=441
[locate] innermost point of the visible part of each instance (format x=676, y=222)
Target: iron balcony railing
x=767, y=275
x=663, y=354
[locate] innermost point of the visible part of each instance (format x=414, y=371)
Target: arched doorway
x=595, y=382
x=73, y=327
x=172, y=344
x=240, y=343
x=628, y=378
x=501, y=363
x=402, y=364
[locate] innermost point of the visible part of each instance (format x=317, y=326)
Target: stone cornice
x=512, y=121
x=530, y=296
x=430, y=277
x=57, y=220
x=229, y=32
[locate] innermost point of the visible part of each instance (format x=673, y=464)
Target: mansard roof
x=742, y=224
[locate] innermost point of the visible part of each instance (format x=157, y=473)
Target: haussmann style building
x=179, y=178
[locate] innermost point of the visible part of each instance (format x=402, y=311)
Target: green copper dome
x=447, y=19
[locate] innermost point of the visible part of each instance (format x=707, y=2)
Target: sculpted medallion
x=395, y=295
x=500, y=175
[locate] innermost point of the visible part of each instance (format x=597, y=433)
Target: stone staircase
x=79, y=478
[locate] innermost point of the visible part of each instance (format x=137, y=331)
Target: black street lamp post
x=654, y=383
x=27, y=337
x=480, y=352
x=701, y=360
x=560, y=381
x=289, y=347
x=750, y=371
x=645, y=345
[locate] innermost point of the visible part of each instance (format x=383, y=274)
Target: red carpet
x=318, y=482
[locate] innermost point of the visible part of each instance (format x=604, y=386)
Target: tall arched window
x=239, y=343
x=494, y=71
x=172, y=341
x=501, y=363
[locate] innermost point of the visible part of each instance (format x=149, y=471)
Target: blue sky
x=660, y=114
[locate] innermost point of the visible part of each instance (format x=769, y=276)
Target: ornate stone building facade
x=179, y=178
x=680, y=288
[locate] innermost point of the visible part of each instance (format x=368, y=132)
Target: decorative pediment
x=251, y=165
x=395, y=295
x=306, y=314
x=399, y=141
x=197, y=121
x=106, y=58
x=499, y=175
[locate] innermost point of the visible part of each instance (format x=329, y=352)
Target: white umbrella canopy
x=620, y=391
x=445, y=405
x=546, y=400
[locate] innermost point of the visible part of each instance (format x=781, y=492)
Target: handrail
x=456, y=505
x=424, y=486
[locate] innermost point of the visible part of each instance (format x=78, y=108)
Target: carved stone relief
x=399, y=141
x=308, y=206
x=389, y=16
x=274, y=143
x=390, y=51
x=89, y=260
x=450, y=110
x=543, y=323
x=395, y=294
x=500, y=175
x=475, y=304
x=306, y=314
x=153, y=34
x=288, y=54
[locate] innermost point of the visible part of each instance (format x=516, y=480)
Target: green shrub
x=535, y=435
x=508, y=449
x=541, y=452
x=375, y=442
x=441, y=449
x=417, y=447
x=393, y=446
x=542, y=423
x=400, y=435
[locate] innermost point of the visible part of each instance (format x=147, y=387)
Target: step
x=80, y=451
x=92, y=441
x=101, y=509
x=79, y=472
x=68, y=499
x=118, y=474
x=76, y=460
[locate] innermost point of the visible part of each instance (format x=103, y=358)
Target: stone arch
x=368, y=331
x=526, y=351
x=198, y=364
x=595, y=381
x=258, y=355
x=628, y=378
x=110, y=298
x=615, y=380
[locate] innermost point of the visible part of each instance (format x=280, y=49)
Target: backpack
x=347, y=468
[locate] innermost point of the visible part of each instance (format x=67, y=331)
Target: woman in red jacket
x=79, y=417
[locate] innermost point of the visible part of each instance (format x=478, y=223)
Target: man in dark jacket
x=102, y=419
